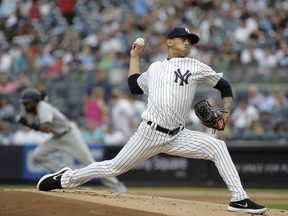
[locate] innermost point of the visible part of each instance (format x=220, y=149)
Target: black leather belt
x=164, y=130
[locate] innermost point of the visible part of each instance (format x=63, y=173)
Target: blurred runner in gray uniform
x=66, y=136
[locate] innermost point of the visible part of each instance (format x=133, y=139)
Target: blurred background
x=77, y=54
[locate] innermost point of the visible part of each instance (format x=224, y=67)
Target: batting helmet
x=30, y=94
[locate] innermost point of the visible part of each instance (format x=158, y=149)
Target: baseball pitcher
x=170, y=85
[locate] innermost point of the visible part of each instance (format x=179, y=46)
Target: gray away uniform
x=67, y=138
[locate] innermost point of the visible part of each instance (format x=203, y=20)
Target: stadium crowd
x=77, y=53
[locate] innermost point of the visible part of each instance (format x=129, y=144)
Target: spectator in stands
x=45, y=59
x=58, y=68
x=242, y=116
x=32, y=50
x=34, y=13
x=235, y=71
x=268, y=63
x=8, y=7
x=6, y=133
x=252, y=55
x=266, y=122
x=280, y=129
x=45, y=7
x=7, y=110
x=141, y=8
x=255, y=97
x=24, y=6
x=121, y=112
x=100, y=80
x=111, y=44
x=20, y=62
x=6, y=86
x=113, y=137
x=254, y=131
x=282, y=54
x=208, y=25
x=86, y=59
x=92, y=134
x=5, y=62
x=138, y=108
x=25, y=35
x=68, y=9
x=242, y=32
x=276, y=101
x=95, y=108
x=23, y=81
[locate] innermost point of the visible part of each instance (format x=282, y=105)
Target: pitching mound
x=91, y=202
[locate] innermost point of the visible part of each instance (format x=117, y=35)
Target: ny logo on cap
x=187, y=30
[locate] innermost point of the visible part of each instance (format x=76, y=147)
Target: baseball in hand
x=140, y=42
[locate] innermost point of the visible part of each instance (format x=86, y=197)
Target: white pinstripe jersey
x=171, y=86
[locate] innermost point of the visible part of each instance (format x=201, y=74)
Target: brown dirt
x=79, y=202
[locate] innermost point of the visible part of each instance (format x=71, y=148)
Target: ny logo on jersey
x=183, y=78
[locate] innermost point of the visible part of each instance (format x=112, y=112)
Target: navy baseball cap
x=181, y=32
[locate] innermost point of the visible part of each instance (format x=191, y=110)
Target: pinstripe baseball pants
x=148, y=142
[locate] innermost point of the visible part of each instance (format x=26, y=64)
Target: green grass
x=207, y=189
x=276, y=206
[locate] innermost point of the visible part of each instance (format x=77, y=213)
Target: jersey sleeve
x=207, y=75
x=45, y=113
x=143, y=82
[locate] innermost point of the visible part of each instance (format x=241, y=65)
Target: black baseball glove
x=211, y=118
